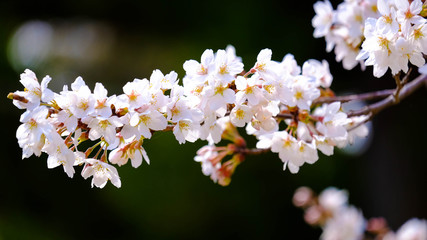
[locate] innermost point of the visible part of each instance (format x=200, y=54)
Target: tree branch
x=353, y=97
x=391, y=100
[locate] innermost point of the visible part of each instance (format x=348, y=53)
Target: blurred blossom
x=332, y=199
x=348, y=224
x=71, y=45
x=302, y=196
x=413, y=229
x=313, y=215
x=31, y=44
x=341, y=221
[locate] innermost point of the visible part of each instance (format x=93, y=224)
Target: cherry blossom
x=101, y=173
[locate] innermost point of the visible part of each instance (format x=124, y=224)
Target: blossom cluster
x=339, y=220
x=398, y=36
x=343, y=28
x=383, y=34
x=269, y=94
x=216, y=97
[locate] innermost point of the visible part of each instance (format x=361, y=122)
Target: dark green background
x=171, y=198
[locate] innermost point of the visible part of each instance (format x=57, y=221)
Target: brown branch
x=253, y=151
x=353, y=97
x=285, y=115
x=391, y=100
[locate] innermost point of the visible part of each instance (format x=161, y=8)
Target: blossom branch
x=211, y=104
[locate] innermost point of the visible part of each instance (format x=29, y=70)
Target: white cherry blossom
x=248, y=90
x=186, y=130
x=102, y=101
x=208, y=157
x=146, y=121
x=34, y=91
x=81, y=100
x=212, y=128
x=407, y=13
x=334, y=121
x=59, y=154
x=318, y=70
x=226, y=66
x=135, y=94
x=240, y=115
x=32, y=132
x=160, y=81
x=129, y=150
x=101, y=173
x=104, y=127
x=264, y=65
x=199, y=72
x=302, y=93
x=323, y=20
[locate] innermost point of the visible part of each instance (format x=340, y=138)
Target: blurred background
x=114, y=42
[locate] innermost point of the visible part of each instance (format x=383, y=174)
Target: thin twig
x=406, y=77
x=253, y=151
x=400, y=84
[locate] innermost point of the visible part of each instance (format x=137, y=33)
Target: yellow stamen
x=240, y=114
x=287, y=143
x=32, y=123
x=145, y=119
x=223, y=69
x=104, y=124
x=83, y=105
x=298, y=95
x=203, y=70
x=249, y=90
x=175, y=111
x=269, y=88
x=220, y=90
x=183, y=126
x=418, y=34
